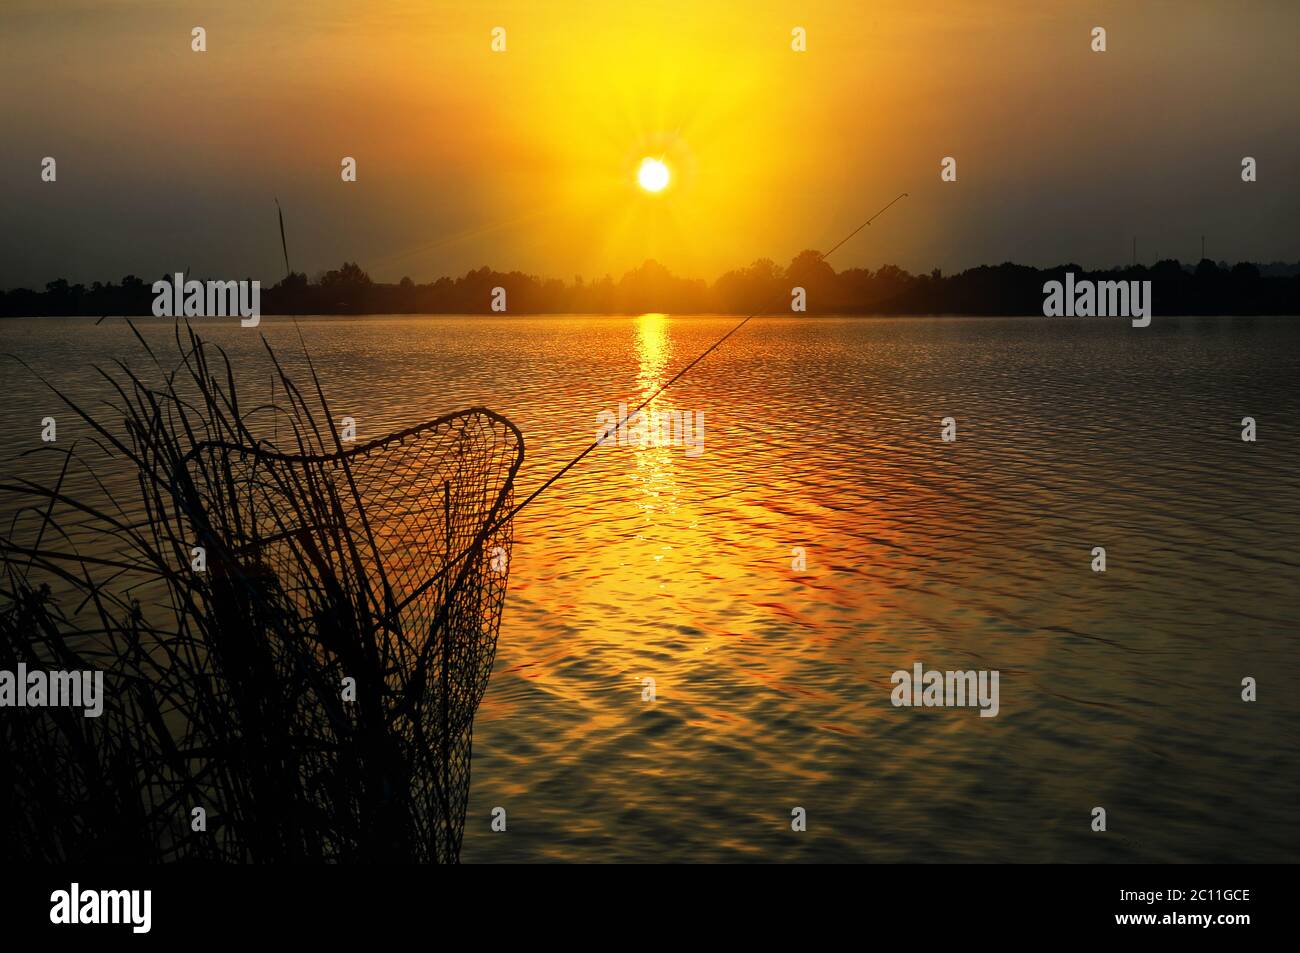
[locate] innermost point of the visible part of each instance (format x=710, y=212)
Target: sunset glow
x=527, y=158
x=653, y=175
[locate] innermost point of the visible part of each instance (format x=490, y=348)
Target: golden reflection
x=654, y=461
x=652, y=348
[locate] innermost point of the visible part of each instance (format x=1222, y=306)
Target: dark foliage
x=1009, y=289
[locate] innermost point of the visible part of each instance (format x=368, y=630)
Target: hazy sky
x=170, y=159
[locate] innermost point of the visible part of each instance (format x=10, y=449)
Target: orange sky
x=526, y=159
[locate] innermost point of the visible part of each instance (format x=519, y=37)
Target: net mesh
x=376, y=575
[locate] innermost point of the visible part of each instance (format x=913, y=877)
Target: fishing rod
x=680, y=374
x=492, y=527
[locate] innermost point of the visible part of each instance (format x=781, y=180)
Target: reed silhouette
x=313, y=688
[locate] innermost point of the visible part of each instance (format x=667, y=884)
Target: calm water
x=1119, y=690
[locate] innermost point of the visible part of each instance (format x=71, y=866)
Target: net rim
x=397, y=435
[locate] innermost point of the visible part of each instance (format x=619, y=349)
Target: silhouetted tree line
x=1208, y=288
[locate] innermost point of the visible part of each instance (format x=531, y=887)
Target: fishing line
x=679, y=375
x=491, y=528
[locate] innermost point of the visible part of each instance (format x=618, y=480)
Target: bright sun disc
x=653, y=175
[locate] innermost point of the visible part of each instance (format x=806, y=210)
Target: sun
x=653, y=176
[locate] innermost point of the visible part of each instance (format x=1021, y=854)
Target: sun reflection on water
x=654, y=462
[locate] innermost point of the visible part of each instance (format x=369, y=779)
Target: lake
x=772, y=684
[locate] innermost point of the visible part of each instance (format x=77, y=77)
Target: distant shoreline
x=199, y=321
x=808, y=285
